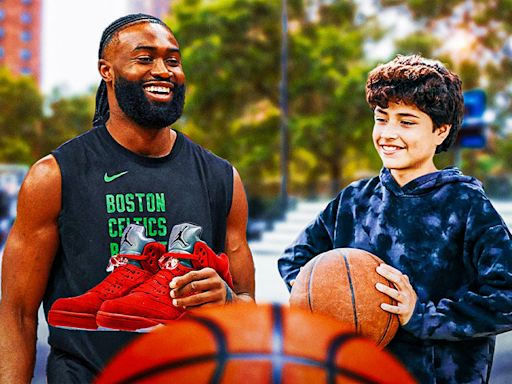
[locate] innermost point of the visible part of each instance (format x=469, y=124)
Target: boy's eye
x=408, y=122
x=380, y=119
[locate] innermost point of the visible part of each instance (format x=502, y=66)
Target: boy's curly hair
x=424, y=83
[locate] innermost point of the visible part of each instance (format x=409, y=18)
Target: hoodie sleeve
x=486, y=308
x=315, y=239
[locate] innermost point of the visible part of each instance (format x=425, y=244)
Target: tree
x=330, y=119
x=21, y=105
x=231, y=57
x=69, y=117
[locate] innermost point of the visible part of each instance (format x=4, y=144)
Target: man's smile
x=161, y=92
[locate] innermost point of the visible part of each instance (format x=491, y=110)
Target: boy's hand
x=403, y=293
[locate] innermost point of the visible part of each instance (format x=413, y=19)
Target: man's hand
x=403, y=293
x=203, y=287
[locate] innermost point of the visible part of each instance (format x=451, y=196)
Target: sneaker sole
x=72, y=320
x=127, y=322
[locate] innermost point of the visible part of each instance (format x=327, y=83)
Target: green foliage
x=417, y=43
x=231, y=58
x=69, y=117
x=21, y=112
x=231, y=51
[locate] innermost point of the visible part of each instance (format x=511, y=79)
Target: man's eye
x=145, y=59
x=408, y=122
x=173, y=62
x=380, y=119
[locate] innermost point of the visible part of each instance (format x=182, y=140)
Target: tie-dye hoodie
x=441, y=230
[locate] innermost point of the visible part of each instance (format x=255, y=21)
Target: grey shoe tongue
x=183, y=238
x=133, y=241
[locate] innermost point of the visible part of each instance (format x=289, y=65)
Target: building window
x=1, y=52
x=25, y=54
x=26, y=36
x=2, y=31
x=2, y=14
x=26, y=71
x=26, y=2
x=26, y=18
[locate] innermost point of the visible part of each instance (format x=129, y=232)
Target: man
x=130, y=168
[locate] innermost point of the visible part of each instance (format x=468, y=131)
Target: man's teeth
x=156, y=89
x=390, y=148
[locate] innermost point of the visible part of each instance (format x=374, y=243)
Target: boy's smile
x=406, y=141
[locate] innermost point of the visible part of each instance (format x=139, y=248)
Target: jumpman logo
x=179, y=237
x=125, y=239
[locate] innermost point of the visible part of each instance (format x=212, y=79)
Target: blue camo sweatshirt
x=443, y=232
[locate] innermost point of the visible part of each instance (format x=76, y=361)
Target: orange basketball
x=253, y=344
x=341, y=283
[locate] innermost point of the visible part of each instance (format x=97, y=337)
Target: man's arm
x=212, y=289
x=237, y=249
x=26, y=265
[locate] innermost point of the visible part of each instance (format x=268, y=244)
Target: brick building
x=20, y=36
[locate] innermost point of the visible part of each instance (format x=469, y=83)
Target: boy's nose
x=389, y=133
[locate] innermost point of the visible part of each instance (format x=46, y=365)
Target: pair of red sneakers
x=136, y=294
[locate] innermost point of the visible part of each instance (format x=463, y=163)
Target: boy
x=445, y=248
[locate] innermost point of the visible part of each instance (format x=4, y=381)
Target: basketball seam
x=310, y=293
x=277, y=342
x=331, y=366
x=351, y=286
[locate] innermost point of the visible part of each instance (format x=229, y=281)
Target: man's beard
x=146, y=113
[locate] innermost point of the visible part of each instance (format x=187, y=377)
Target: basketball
x=341, y=283
x=248, y=344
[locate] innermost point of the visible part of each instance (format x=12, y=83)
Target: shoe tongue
x=182, y=239
x=133, y=242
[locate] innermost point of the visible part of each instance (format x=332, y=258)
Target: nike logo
x=108, y=178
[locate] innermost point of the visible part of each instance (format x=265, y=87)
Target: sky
x=70, y=41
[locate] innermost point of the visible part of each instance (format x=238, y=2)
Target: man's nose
x=160, y=69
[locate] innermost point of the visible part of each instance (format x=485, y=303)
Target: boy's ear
x=442, y=133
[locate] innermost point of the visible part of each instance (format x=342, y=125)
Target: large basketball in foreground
x=341, y=283
x=246, y=344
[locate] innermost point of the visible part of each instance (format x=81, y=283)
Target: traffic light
x=473, y=132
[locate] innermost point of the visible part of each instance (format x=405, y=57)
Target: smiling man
x=111, y=198
x=445, y=248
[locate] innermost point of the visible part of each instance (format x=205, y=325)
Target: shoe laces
x=122, y=259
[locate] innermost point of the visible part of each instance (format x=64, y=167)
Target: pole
x=283, y=106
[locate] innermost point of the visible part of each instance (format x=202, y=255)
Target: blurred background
x=274, y=86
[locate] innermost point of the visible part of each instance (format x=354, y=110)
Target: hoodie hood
x=426, y=183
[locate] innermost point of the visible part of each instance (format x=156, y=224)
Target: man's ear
x=442, y=133
x=105, y=70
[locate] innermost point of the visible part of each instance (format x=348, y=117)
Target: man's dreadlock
x=101, y=112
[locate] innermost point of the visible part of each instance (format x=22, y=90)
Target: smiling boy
x=445, y=248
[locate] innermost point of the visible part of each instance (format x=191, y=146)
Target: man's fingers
x=194, y=300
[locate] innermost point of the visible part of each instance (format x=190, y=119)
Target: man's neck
x=140, y=140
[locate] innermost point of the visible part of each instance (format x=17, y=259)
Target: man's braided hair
x=101, y=112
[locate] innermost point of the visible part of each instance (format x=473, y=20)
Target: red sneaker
x=136, y=263
x=150, y=304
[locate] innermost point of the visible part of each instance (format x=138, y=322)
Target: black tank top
x=105, y=187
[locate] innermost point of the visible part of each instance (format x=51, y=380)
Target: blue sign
x=473, y=130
